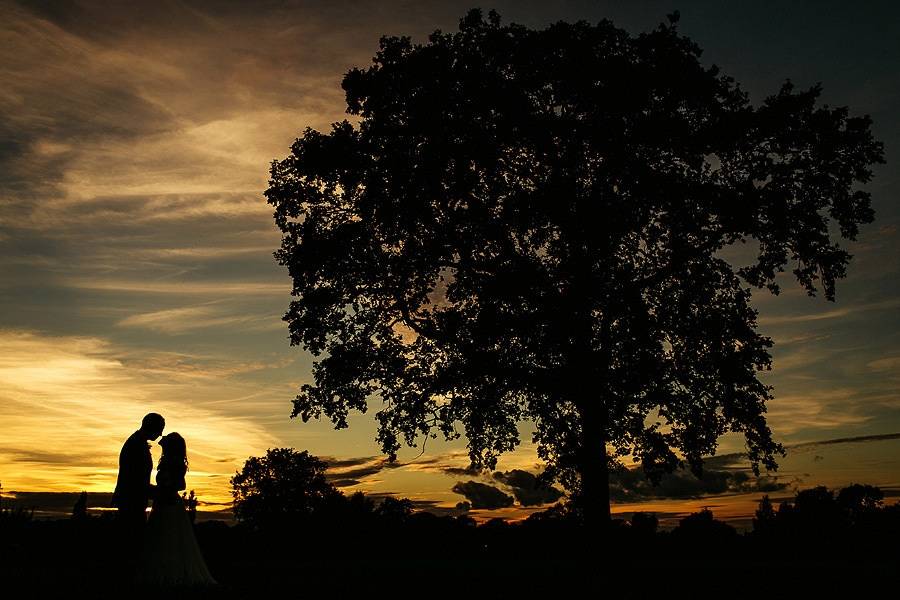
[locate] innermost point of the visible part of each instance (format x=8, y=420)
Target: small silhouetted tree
x=816, y=505
x=79, y=510
x=859, y=502
x=530, y=224
x=858, y=498
x=765, y=517
x=395, y=510
x=285, y=487
x=360, y=506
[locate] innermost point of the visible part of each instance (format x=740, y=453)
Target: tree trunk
x=589, y=361
x=590, y=391
x=594, y=472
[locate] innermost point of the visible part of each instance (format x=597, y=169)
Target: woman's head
x=174, y=451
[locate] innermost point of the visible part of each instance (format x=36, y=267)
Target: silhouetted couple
x=164, y=547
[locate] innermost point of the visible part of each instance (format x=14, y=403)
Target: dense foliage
x=530, y=225
x=283, y=488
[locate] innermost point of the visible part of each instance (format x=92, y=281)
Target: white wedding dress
x=171, y=554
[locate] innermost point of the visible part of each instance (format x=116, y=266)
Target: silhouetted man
x=133, y=487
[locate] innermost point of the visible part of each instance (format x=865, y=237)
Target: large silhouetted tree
x=529, y=225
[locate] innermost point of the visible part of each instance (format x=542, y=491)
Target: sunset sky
x=136, y=268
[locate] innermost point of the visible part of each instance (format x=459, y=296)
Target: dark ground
x=428, y=557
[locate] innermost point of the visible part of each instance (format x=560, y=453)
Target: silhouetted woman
x=172, y=556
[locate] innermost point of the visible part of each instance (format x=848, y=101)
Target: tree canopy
x=531, y=224
x=282, y=488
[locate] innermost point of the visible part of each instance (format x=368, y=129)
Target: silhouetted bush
x=644, y=523
x=703, y=527
x=11, y=516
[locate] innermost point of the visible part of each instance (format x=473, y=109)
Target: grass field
x=71, y=559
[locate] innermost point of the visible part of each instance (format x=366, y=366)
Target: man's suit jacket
x=135, y=465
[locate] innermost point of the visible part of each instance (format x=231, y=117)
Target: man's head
x=152, y=426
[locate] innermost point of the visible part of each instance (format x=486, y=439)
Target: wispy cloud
x=175, y=366
x=128, y=212
x=190, y=318
x=201, y=252
x=819, y=409
x=216, y=288
x=889, y=363
x=836, y=313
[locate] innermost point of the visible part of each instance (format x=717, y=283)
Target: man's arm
x=129, y=483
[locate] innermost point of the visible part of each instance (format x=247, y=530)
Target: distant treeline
x=287, y=494
x=819, y=540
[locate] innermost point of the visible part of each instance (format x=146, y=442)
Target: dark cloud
x=347, y=472
x=101, y=22
x=342, y=463
x=52, y=458
x=59, y=99
x=631, y=485
x=735, y=460
x=419, y=505
x=60, y=504
x=205, y=503
x=527, y=489
x=848, y=440
x=358, y=473
x=429, y=505
x=482, y=495
x=423, y=463
x=738, y=460
x=379, y=496
x=890, y=492
x=342, y=483
x=433, y=507
x=462, y=471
